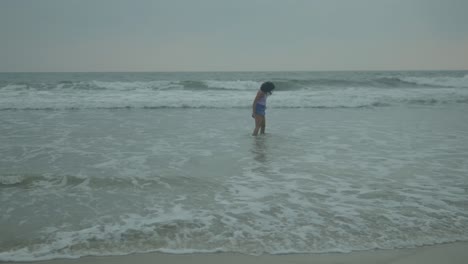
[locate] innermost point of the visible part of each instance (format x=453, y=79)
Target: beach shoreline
x=450, y=253
x=107, y=164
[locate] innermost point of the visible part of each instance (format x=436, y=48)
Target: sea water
x=118, y=163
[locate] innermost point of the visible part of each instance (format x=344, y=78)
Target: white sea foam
x=126, y=86
x=11, y=179
x=234, y=85
x=331, y=92
x=13, y=87
x=443, y=81
x=175, y=98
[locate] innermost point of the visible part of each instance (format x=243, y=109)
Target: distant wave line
x=128, y=107
x=246, y=85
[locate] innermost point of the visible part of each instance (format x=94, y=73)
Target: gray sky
x=232, y=35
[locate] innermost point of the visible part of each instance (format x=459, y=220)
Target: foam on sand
x=455, y=253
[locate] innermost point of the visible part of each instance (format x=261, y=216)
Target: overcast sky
x=232, y=35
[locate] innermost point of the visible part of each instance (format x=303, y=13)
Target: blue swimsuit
x=261, y=106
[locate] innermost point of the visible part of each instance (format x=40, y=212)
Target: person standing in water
x=259, y=107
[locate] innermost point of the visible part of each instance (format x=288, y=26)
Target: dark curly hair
x=267, y=87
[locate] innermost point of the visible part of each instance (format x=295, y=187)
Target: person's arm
x=259, y=95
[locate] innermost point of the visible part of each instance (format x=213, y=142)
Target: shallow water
x=93, y=181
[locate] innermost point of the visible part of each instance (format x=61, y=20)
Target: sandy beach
x=452, y=253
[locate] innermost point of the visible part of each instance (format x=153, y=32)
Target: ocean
x=118, y=163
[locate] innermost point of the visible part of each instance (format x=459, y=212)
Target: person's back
x=262, y=100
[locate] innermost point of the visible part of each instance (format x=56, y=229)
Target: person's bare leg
x=258, y=124
x=262, y=126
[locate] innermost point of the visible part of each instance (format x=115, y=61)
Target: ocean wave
x=442, y=81
x=233, y=85
x=327, y=91
x=180, y=231
x=136, y=85
x=289, y=102
x=37, y=181
x=247, y=85
x=47, y=181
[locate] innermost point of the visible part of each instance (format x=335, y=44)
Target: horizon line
x=239, y=71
